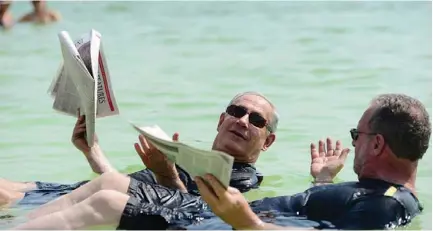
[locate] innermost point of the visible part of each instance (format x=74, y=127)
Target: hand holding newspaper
x=83, y=81
x=195, y=161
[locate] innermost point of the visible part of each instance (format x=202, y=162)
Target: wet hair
x=275, y=117
x=404, y=123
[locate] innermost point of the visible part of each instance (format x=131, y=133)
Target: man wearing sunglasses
x=392, y=135
x=244, y=130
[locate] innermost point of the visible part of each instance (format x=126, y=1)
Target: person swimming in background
x=41, y=14
x=6, y=20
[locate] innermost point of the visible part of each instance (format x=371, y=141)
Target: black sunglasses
x=254, y=117
x=354, y=133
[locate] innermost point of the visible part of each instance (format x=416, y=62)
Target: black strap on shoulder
x=407, y=199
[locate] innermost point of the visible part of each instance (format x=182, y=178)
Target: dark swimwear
x=146, y=194
x=367, y=204
x=46, y=192
x=244, y=177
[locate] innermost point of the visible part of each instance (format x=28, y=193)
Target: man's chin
x=233, y=149
x=356, y=169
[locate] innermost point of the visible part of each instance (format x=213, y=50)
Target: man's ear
x=222, y=117
x=269, y=141
x=379, y=145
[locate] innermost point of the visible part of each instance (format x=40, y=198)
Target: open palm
x=326, y=162
x=154, y=160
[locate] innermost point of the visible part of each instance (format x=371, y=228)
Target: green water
x=177, y=64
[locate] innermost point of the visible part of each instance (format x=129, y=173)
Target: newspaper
x=90, y=49
x=195, y=161
x=83, y=81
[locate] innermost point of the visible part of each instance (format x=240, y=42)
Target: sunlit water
x=177, y=64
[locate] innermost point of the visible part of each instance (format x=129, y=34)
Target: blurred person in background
x=40, y=14
x=6, y=20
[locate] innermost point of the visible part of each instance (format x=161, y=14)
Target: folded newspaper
x=83, y=81
x=195, y=161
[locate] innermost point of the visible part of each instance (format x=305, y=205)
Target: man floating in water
x=41, y=14
x=245, y=129
x=391, y=137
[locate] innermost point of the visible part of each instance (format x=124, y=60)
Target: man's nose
x=244, y=120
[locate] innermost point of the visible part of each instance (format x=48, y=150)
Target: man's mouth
x=239, y=134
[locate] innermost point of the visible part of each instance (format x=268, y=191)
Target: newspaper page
x=195, y=161
x=199, y=162
x=85, y=84
x=67, y=100
x=64, y=91
x=54, y=87
x=107, y=105
x=160, y=140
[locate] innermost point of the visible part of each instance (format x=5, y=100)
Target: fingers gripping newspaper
x=83, y=81
x=195, y=161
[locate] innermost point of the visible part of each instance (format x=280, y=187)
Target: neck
x=244, y=161
x=238, y=157
x=399, y=171
x=39, y=6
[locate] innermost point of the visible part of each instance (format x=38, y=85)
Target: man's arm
x=95, y=156
x=147, y=175
x=326, y=162
x=164, y=170
x=230, y=205
x=97, y=160
x=174, y=183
